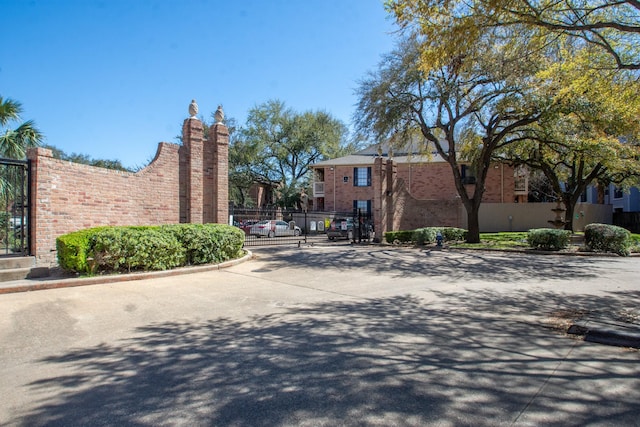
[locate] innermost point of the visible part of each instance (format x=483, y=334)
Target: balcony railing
x=318, y=189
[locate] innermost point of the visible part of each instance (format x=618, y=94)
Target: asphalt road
x=324, y=336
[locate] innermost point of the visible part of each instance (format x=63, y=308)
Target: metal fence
x=14, y=207
x=628, y=220
x=293, y=227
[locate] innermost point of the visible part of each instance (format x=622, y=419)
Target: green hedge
x=112, y=249
x=548, y=238
x=196, y=240
x=453, y=234
x=422, y=236
x=401, y=236
x=73, y=250
x=135, y=248
x=608, y=238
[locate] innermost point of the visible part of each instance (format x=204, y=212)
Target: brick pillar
x=220, y=143
x=379, y=184
x=41, y=215
x=192, y=184
x=391, y=193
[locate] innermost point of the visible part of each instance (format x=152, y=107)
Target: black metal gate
x=356, y=226
x=15, y=187
x=270, y=226
x=293, y=227
x=364, y=226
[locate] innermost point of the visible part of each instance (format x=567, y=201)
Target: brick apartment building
x=406, y=189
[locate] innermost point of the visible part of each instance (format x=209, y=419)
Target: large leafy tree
x=582, y=55
x=277, y=145
x=593, y=132
x=15, y=141
x=466, y=109
x=454, y=26
x=241, y=159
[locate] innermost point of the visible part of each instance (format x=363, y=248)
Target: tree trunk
x=601, y=189
x=569, y=206
x=473, y=223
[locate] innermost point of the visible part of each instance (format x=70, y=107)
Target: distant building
x=346, y=183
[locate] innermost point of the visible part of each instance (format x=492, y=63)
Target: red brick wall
x=186, y=183
x=411, y=213
x=69, y=196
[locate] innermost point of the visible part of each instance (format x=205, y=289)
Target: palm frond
x=9, y=111
x=14, y=143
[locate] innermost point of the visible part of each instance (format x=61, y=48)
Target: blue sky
x=112, y=78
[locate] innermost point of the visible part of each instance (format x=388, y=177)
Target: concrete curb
x=44, y=283
x=543, y=252
x=616, y=335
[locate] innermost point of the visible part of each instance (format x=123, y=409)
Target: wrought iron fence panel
x=14, y=207
x=285, y=226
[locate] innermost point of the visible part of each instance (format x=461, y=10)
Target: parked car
x=246, y=225
x=274, y=228
x=341, y=228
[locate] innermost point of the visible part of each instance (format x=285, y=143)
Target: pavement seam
x=544, y=384
x=296, y=286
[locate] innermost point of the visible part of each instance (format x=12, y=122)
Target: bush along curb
x=147, y=248
x=67, y=282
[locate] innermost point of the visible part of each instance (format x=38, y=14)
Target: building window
x=361, y=177
x=583, y=197
x=467, y=174
x=617, y=193
x=363, y=206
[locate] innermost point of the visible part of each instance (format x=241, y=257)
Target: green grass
x=504, y=240
x=635, y=248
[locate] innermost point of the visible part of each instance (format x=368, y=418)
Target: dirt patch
x=561, y=320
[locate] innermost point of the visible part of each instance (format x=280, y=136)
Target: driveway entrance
x=326, y=335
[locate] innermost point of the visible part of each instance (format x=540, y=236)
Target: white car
x=273, y=228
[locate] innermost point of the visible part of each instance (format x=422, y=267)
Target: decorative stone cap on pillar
x=193, y=109
x=219, y=115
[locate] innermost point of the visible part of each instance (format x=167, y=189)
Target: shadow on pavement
x=452, y=266
x=389, y=361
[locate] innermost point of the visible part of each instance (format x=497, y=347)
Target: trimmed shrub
x=423, y=236
x=607, y=238
x=136, y=248
x=548, y=238
x=208, y=243
x=453, y=233
x=398, y=236
x=113, y=249
x=73, y=250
